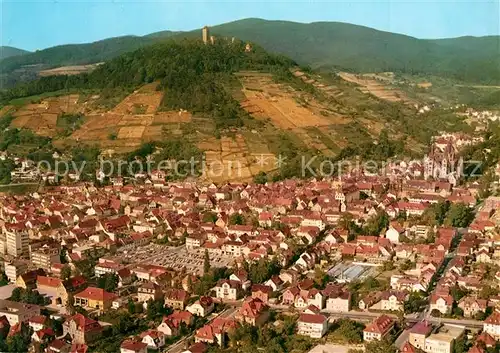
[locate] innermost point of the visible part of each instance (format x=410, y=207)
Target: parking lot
x=175, y=257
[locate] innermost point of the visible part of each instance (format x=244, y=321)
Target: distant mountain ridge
x=6, y=52
x=325, y=45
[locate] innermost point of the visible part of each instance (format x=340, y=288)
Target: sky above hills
x=38, y=24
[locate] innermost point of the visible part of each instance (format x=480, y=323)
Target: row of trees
x=448, y=214
x=28, y=296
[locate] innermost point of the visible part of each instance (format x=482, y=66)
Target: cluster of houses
x=45, y=233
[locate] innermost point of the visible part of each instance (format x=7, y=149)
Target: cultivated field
x=69, y=70
x=270, y=101
x=371, y=84
x=41, y=118
x=233, y=158
x=133, y=121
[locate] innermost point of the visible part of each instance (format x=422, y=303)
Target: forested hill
x=6, y=52
x=88, y=53
x=363, y=49
x=319, y=45
x=193, y=74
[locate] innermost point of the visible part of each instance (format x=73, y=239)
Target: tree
x=56, y=325
x=209, y=217
x=458, y=312
x=3, y=279
x=206, y=263
x=388, y=266
x=460, y=345
x=236, y=219
x=488, y=292
x=383, y=346
x=435, y=313
x=260, y=178
x=62, y=255
x=406, y=265
x=108, y=282
x=320, y=277
x=65, y=272
x=348, y=331
x=16, y=294
x=459, y=215
x=131, y=306
x=414, y=303
x=376, y=224
x=458, y=293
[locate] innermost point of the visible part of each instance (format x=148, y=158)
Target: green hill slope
x=89, y=53
x=358, y=48
x=6, y=52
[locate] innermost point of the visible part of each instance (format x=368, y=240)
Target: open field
x=123, y=128
x=370, y=84
x=69, y=70
x=265, y=99
x=232, y=159
x=41, y=118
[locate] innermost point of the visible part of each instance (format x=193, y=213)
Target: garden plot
x=371, y=85
x=229, y=159
x=272, y=101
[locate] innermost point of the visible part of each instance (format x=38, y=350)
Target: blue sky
x=38, y=24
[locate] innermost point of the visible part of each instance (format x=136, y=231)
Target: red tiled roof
x=94, y=293
x=48, y=281
x=134, y=346
x=312, y=318
x=381, y=324
x=493, y=319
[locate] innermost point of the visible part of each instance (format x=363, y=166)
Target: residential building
x=17, y=243
x=176, y=298
x=153, y=338
x=82, y=329
x=491, y=325
x=133, y=346
x=418, y=334
x=253, y=312
x=443, y=339
x=94, y=298
x=261, y=292
x=228, y=289
x=18, y=312
x=149, y=291
x=45, y=257
x=202, y=307
x=171, y=324
x=441, y=303
x=393, y=300
x=378, y=329
x=471, y=305
x=338, y=301
x=312, y=325
x=14, y=269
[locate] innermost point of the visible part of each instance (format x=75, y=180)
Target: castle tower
x=205, y=32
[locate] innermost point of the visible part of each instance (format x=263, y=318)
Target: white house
x=492, y=325
x=153, y=338
x=202, y=307
x=312, y=325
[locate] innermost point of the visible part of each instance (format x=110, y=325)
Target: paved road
x=403, y=337
x=179, y=346
x=367, y=316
